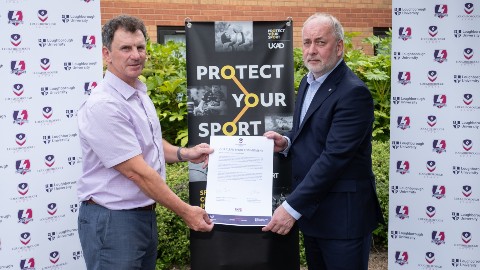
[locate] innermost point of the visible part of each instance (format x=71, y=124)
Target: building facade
x=166, y=18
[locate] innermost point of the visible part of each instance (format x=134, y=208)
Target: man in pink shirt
x=124, y=159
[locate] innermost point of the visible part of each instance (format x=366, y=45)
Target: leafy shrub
x=166, y=79
x=173, y=234
x=381, y=164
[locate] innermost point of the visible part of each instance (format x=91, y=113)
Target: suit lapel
x=326, y=89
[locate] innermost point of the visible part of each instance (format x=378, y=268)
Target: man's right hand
x=197, y=219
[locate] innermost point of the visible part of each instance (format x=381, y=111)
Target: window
x=167, y=33
x=381, y=32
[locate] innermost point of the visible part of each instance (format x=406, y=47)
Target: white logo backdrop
x=50, y=62
x=434, y=209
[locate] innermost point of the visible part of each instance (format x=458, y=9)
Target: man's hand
x=198, y=154
x=281, y=223
x=280, y=143
x=197, y=219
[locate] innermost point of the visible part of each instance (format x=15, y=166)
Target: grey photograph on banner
x=233, y=36
x=207, y=100
x=280, y=123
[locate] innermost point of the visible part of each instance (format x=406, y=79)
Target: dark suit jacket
x=333, y=182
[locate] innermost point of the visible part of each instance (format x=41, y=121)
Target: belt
x=143, y=208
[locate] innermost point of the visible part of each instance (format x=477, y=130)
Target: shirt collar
x=322, y=78
x=124, y=88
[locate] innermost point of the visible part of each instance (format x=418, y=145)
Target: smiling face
x=321, y=48
x=127, y=55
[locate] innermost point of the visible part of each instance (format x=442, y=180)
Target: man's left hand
x=281, y=223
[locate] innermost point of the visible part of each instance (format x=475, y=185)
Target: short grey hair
x=334, y=22
x=126, y=22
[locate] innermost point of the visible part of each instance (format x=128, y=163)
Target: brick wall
x=355, y=15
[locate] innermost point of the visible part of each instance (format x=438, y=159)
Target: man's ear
x=340, y=47
x=106, y=55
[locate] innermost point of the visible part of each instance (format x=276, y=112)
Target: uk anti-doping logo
x=88, y=87
x=18, y=67
x=440, y=56
x=401, y=212
x=403, y=122
x=439, y=146
x=403, y=167
x=22, y=166
x=404, y=33
x=404, y=77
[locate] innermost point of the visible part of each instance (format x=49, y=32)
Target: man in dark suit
x=333, y=198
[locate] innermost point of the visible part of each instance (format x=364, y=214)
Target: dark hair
x=224, y=38
x=126, y=22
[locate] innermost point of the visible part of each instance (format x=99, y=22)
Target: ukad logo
x=403, y=122
x=439, y=101
x=49, y=160
x=45, y=63
x=25, y=238
x=438, y=238
x=52, y=208
x=432, y=30
x=18, y=67
x=467, y=191
x=25, y=216
x=431, y=165
x=467, y=144
x=54, y=256
x=468, y=8
x=15, y=17
x=89, y=86
x=430, y=257
x=439, y=146
x=404, y=77
x=430, y=211
x=20, y=117
x=88, y=42
x=432, y=75
x=22, y=166
x=404, y=33
x=22, y=188
x=402, y=211
x=15, y=39
x=440, y=56
x=441, y=11
x=431, y=120
x=27, y=264
x=403, y=166
x=401, y=257
x=18, y=89
x=438, y=192
x=467, y=99
x=42, y=15
x=466, y=237
x=47, y=112
x=468, y=53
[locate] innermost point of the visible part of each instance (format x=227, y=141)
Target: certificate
x=239, y=180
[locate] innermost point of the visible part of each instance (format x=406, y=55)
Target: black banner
x=240, y=82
